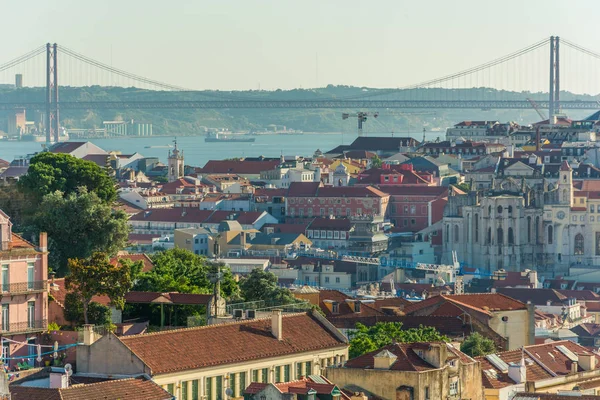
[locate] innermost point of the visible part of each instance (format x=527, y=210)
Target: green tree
x=262, y=285
x=366, y=339
x=477, y=345
x=180, y=270
x=15, y=204
x=51, y=172
x=78, y=225
x=376, y=162
x=96, y=276
x=98, y=314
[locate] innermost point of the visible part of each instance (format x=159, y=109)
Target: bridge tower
x=554, y=90
x=52, y=123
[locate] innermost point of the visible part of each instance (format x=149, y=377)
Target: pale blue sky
x=239, y=44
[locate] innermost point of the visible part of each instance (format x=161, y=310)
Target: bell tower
x=175, y=164
x=565, y=184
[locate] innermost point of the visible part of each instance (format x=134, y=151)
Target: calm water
x=197, y=152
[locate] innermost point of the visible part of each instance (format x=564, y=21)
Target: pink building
x=24, y=297
x=309, y=200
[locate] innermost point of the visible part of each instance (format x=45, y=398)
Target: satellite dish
x=229, y=392
x=68, y=369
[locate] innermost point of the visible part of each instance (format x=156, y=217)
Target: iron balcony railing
x=24, y=287
x=25, y=326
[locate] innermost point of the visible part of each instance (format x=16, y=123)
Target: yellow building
x=203, y=362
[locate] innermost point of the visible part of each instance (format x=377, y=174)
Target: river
x=197, y=152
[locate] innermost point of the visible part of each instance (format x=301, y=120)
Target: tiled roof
x=123, y=389
x=554, y=396
x=303, y=189
x=59, y=293
x=498, y=379
x=300, y=386
x=146, y=261
x=587, y=329
x=65, y=147
x=344, y=309
x=420, y=191
x=167, y=298
x=286, y=228
x=195, y=215
x=375, y=143
x=539, y=297
x=484, y=303
x=580, y=295
x=350, y=191
x=407, y=358
x=228, y=343
x=238, y=166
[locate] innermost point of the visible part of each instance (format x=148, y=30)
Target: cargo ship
x=220, y=137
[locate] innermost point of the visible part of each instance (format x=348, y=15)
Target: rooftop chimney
x=88, y=334
x=518, y=372
x=384, y=359
x=277, y=324
x=43, y=242
x=574, y=367
x=587, y=361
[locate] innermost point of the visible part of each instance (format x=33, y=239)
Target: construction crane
x=537, y=109
x=362, y=117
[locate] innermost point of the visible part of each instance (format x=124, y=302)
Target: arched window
x=500, y=238
x=510, y=209
x=489, y=236
x=511, y=236
x=537, y=229
x=489, y=211
x=499, y=209
x=528, y=229
x=579, y=244
x=456, y=234
x=550, y=234
x=476, y=228
x=447, y=233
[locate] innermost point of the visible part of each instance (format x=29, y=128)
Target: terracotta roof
x=167, y=298
x=539, y=297
x=144, y=258
x=195, y=215
x=330, y=224
x=484, y=303
x=587, y=329
x=59, y=292
x=350, y=191
x=493, y=378
x=407, y=358
x=580, y=295
x=345, y=310
x=228, y=343
x=238, y=166
x=123, y=389
x=285, y=228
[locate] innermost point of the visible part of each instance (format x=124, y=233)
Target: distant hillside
x=191, y=122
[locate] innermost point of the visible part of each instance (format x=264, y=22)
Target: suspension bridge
x=544, y=72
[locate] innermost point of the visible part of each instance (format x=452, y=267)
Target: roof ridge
x=210, y=326
x=98, y=383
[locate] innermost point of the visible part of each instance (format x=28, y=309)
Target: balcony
x=24, y=287
x=38, y=325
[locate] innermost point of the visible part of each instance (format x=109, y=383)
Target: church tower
x=565, y=184
x=175, y=164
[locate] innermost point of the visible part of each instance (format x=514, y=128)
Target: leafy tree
x=366, y=339
x=51, y=172
x=14, y=203
x=465, y=186
x=78, y=225
x=262, y=285
x=179, y=270
x=96, y=276
x=98, y=314
x=477, y=345
x=376, y=162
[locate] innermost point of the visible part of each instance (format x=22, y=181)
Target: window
x=336, y=235
x=5, y=279
x=5, y=352
x=413, y=221
x=196, y=240
x=171, y=388
x=337, y=279
x=579, y=247
x=413, y=209
x=591, y=208
x=500, y=236
x=329, y=234
x=323, y=234
x=286, y=373
x=456, y=236
x=264, y=375
x=426, y=393
x=317, y=234
x=255, y=375
x=476, y=228
x=242, y=381
x=326, y=279
x=511, y=237
x=510, y=209
x=447, y=233
x=348, y=212
x=528, y=229
x=184, y=391
x=453, y=388
x=405, y=222
x=277, y=374
x=550, y=234
x=5, y=317
x=499, y=209
x=405, y=209
x=335, y=308
x=31, y=314
x=30, y=276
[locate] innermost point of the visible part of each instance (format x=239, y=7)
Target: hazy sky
x=241, y=44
